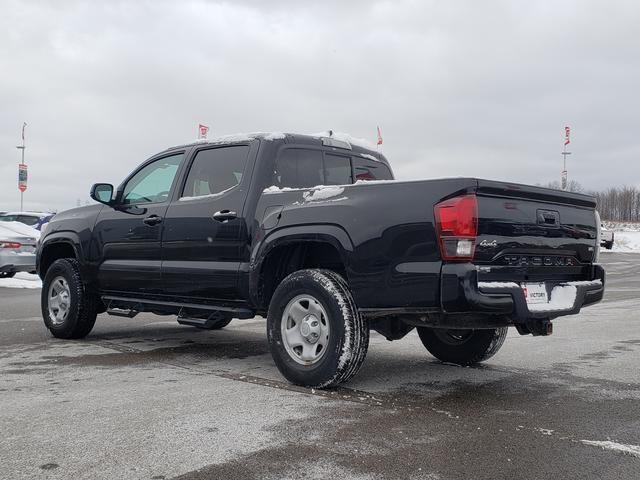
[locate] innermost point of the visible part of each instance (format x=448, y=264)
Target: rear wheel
x=464, y=347
x=316, y=335
x=68, y=310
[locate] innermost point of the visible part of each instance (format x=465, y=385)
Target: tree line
x=616, y=204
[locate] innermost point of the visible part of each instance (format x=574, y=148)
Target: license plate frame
x=535, y=293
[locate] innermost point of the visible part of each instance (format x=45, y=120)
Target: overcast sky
x=459, y=87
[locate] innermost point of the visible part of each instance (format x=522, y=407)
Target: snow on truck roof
x=337, y=139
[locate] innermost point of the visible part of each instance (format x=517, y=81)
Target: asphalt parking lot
x=148, y=398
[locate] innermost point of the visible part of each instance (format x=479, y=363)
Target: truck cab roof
x=329, y=138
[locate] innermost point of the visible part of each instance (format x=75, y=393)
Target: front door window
x=152, y=183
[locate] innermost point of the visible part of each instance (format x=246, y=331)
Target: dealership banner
x=22, y=177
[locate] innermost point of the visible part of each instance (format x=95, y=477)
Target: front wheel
x=316, y=335
x=464, y=347
x=68, y=310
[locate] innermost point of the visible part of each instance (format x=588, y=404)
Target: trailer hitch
x=538, y=327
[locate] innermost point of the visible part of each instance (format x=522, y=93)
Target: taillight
x=14, y=245
x=457, y=227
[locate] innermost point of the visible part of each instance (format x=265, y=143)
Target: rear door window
x=216, y=171
x=299, y=168
x=303, y=168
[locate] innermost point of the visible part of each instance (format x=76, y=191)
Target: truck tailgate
x=533, y=231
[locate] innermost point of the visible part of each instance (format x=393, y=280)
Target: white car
x=34, y=219
x=606, y=237
x=17, y=248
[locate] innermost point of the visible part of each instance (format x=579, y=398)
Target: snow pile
x=21, y=280
x=633, y=450
x=488, y=285
x=274, y=189
x=241, y=137
x=19, y=229
x=245, y=137
x=323, y=193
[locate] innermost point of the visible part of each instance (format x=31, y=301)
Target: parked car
x=17, y=249
x=34, y=219
x=606, y=237
x=279, y=226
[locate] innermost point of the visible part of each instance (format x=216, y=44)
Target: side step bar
x=130, y=307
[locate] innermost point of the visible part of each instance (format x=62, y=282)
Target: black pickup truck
x=313, y=233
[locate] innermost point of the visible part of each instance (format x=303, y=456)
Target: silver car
x=17, y=248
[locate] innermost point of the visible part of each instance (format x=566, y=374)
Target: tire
x=608, y=245
x=337, y=337
x=463, y=347
x=79, y=315
x=7, y=274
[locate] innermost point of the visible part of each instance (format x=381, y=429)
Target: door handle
x=224, y=215
x=152, y=220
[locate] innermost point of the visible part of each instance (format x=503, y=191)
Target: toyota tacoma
x=314, y=233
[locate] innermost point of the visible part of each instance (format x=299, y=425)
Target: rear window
x=303, y=168
x=366, y=169
x=337, y=170
x=28, y=220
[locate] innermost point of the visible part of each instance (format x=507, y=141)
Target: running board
x=122, y=312
x=194, y=322
x=137, y=305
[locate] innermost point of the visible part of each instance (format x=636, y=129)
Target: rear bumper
x=462, y=293
x=11, y=261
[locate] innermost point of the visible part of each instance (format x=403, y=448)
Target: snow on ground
x=626, y=236
x=626, y=241
x=21, y=280
x=633, y=450
x=623, y=226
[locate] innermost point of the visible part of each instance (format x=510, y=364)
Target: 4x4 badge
x=492, y=243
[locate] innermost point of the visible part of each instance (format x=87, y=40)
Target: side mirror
x=102, y=193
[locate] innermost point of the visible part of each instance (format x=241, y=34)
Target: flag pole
x=563, y=179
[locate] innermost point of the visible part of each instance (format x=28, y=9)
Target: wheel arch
x=54, y=248
x=293, y=248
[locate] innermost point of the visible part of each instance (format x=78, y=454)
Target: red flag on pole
x=202, y=131
x=567, y=131
x=379, y=137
